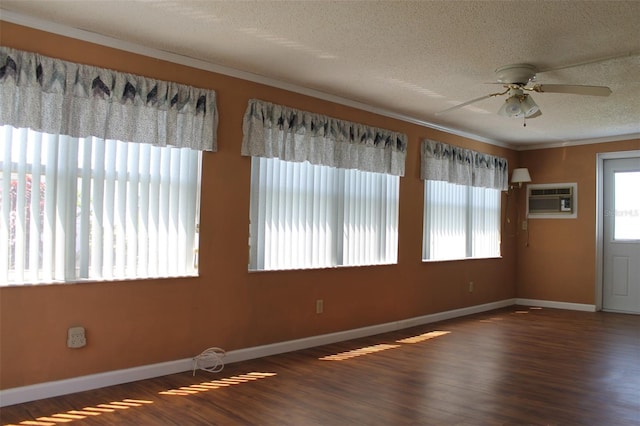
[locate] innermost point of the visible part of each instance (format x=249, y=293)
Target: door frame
x=600, y=157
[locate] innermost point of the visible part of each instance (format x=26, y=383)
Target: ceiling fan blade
x=572, y=89
x=470, y=102
x=630, y=54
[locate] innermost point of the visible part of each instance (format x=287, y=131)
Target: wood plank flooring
x=514, y=366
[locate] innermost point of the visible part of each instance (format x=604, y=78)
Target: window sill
x=97, y=281
x=460, y=259
x=319, y=268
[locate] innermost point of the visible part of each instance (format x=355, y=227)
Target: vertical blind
x=88, y=208
x=445, y=221
x=460, y=222
x=310, y=216
x=484, y=208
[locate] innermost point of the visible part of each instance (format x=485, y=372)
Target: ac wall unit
x=552, y=201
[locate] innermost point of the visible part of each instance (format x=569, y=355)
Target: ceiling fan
x=518, y=79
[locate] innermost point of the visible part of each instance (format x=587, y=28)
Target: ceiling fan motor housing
x=519, y=74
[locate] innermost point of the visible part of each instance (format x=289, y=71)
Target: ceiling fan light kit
x=516, y=79
x=518, y=104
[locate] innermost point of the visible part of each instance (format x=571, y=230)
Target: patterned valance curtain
x=276, y=131
x=58, y=97
x=444, y=162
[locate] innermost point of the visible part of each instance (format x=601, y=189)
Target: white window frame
x=457, y=239
x=69, y=236
x=347, y=233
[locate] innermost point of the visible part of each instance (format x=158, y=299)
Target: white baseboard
x=556, y=305
x=325, y=339
x=94, y=381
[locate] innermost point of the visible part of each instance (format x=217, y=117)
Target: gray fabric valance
x=60, y=97
x=276, y=131
x=441, y=161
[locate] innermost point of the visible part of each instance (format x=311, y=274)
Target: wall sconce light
x=519, y=176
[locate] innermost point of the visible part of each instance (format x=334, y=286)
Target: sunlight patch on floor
x=216, y=384
x=74, y=415
x=423, y=337
x=358, y=352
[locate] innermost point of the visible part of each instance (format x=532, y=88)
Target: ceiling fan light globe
x=511, y=107
x=529, y=107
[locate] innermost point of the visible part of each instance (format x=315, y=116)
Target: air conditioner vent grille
x=551, y=191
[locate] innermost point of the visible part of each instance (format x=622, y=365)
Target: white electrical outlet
x=470, y=286
x=76, y=337
x=319, y=306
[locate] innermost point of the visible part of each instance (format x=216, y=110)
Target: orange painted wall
x=149, y=321
x=559, y=262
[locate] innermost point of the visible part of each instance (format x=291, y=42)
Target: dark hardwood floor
x=514, y=366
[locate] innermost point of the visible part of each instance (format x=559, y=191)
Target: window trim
x=82, y=182
x=468, y=237
x=338, y=256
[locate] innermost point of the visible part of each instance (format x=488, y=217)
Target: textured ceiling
x=409, y=59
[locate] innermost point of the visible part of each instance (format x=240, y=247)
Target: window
x=76, y=203
x=460, y=221
x=626, y=223
x=462, y=193
x=311, y=216
x=88, y=208
x=324, y=191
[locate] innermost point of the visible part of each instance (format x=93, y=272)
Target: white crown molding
x=91, y=37
x=564, y=144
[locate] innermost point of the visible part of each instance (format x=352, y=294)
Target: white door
x=621, y=235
